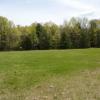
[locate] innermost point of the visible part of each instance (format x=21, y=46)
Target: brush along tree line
x=76, y=33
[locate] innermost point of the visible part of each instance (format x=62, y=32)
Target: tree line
x=76, y=33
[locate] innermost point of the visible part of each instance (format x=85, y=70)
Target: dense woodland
x=76, y=33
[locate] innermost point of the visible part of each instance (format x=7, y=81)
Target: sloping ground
x=84, y=85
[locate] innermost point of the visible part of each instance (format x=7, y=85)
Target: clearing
x=50, y=75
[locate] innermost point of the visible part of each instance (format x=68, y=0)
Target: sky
x=25, y=12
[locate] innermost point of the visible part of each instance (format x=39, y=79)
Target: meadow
x=50, y=75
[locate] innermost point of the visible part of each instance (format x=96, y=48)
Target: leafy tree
x=26, y=43
x=42, y=36
x=55, y=36
x=25, y=38
x=84, y=34
x=98, y=39
x=92, y=30
x=6, y=34
x=75, y=30
x=65, y=41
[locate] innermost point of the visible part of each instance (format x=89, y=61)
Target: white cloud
x=80, y=8
x=77, y=4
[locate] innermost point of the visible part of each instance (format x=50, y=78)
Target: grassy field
x=50, y=75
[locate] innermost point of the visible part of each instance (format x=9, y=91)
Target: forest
x=73, y=34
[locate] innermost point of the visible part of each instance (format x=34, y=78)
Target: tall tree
x=55, y=36
x=42, y=36
x=6, y=34
x=84, y=34
x=75, y=30
x=92, y=30
x=65, y=41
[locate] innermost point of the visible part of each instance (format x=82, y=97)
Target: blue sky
x=25, y=12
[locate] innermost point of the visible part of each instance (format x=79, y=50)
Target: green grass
x=23, y=70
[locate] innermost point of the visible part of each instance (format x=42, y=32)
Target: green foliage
x=42, y=37
x=65, y=40
x=98, y=38
x=7, y=36
x=77, y=33
x=26, y=43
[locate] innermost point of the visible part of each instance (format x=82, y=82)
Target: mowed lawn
x=25, y=72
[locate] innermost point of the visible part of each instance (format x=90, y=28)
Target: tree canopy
x=76, y=33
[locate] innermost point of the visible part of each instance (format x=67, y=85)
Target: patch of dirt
x=83, y=86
